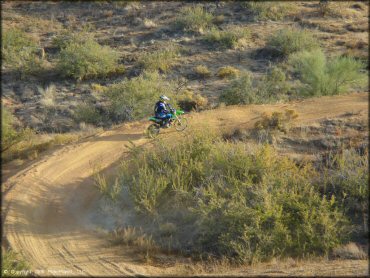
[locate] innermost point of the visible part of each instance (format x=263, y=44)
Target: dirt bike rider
x=163, y=110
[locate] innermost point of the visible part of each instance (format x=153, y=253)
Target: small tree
x=322, y=77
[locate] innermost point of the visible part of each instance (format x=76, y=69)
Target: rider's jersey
x=160, y=108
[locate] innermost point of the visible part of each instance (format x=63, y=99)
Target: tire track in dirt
x=47, y=204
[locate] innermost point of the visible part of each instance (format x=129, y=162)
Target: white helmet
x=164, y=98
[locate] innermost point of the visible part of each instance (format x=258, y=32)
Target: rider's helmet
x=164, y=98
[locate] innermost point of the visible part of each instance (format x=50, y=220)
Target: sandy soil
x=47, y=206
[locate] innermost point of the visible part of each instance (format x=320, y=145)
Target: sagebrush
x=20, y=52
x=231, y=37
x=162, y=59
x=88, y=59
x=269, y=10
x=201, y=185
x=194, y=19
x=290, y=40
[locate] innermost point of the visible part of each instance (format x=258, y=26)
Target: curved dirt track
x=46, y=209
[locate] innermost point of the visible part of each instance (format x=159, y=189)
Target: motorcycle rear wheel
x=153, y=131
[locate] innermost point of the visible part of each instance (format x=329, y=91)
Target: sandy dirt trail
x=46, y=206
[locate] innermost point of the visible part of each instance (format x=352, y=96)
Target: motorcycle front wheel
x=180, y=124
x=153, y=131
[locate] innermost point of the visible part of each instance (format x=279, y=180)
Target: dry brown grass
x=228, y=72
x=202, y=71
x=31, y=148
x=349, y=251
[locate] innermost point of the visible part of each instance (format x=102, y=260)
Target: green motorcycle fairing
x=156, y=120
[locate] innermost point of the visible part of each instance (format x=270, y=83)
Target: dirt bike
x=176, y=120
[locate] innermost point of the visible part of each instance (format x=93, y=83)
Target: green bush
x=14, y=266
x=135, y=98
x=273, y=85
x=290, y=40
x=67, y=36
x=241, y=91
x=19, y=51
x=346, y=181
x=194, y=19
x=269, y=10
x=10, y=136
x=231, y=37
x=159, y=60
x=232, y=202
x=326, y=77
x=87, y=113
x=87, y=59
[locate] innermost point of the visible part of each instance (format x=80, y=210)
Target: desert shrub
x=269, y=10
x=162, y=59
x=189, y=101
x=324, y=8
x=149, y=24
x=227, y=71
x=87, y=59
x=349, y=251
x=87, y=113
x=232, y=202
x=219, y=19
x=321, y=76
x=271, y=87
x=277, y=120
x=202, y=71
x=19, y=51
x=346, y=180
x=131, y=236
x=48, y=96
x=107, y=189
x=68, y=36
x=98, y=88
x=231, y=37
x=194, y=19
x=243, y=91
x=290, y=40
x=135, y=98
x=240, y=91
x=340, y=9
x=30, y=145
x=8, y=132
x=358, y=52
x=274, y=85
x=10, y=135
